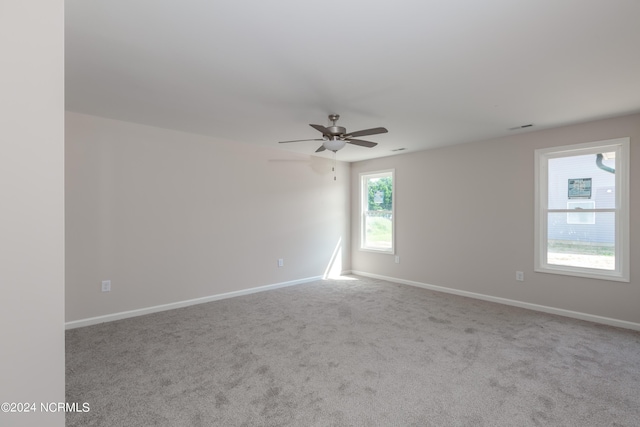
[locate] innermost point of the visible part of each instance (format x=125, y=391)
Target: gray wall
x=169, y=216
x=32, y=209
x=465, y=221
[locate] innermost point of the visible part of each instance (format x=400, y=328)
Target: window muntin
x=377, y=211
x=582, y=218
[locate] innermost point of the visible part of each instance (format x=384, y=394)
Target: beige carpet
x=358, y=352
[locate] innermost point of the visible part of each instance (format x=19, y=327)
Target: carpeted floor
x=357, y=352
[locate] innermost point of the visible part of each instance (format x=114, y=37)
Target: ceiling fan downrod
x=337, y=132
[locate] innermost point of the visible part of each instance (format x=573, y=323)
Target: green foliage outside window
x=383, y=187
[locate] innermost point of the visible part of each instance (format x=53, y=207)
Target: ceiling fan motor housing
x=337, y=130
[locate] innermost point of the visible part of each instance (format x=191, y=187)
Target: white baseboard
x=552, y=310
x=148, y=310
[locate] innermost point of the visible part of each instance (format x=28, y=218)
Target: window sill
x=378, y=251
x=584, y=272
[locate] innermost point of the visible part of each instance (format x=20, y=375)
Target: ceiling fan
x=336, y=137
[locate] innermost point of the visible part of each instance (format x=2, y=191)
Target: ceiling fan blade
x=300, y=140
x=322, y=129
x=372, y=131
x=361, y=143
x=320, y=149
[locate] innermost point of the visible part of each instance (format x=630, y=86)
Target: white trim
x=164, y=307
x=543, y=308
x=583, y=148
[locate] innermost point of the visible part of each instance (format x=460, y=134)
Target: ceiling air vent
x=521, y=127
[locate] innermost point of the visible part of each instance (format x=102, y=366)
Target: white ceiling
x=433, y=72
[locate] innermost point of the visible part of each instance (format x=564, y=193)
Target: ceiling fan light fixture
x=334, y=144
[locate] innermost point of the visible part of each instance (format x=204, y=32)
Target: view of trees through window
x=378, y=211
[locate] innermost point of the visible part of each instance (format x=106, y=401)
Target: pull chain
x=333, y=168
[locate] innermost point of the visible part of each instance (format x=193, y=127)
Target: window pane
x=379, y=229
x=584, y=177
x=589, y=245
x=580, y=217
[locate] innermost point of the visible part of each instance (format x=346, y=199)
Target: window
x=582, y=210
x=377, y=201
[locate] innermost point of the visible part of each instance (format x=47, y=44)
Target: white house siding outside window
x=582, y=210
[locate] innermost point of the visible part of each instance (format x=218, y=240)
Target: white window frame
x=364, y=201
x=620, y=146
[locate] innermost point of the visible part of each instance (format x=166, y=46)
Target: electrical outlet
x=106, y=286
x=280, y=262
x=520, y=276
